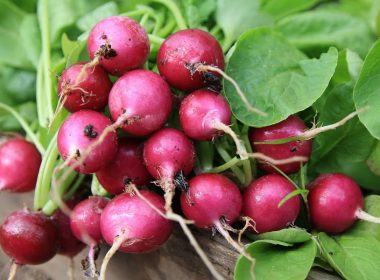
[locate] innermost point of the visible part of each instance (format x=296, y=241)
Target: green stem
x=41, y=112
x=205, y=154
x=226, y=157
x=215, y=30
x=227, y=42
x=144, y=19
x=172, y=6
x=45, y=34
x=41, y=195
x=28, y=130
x=155, y=39
x=247, y=163
x=167, y=28
x=229, y=164
x=134, y=13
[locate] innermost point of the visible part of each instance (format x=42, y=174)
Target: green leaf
x=315, y=31
x=197, y=12
x=282, y=8
x=276, y=261
x=373, y=161
x=354, y=258
x=348, y=68
x=30, y=37
x=288, y=235
x=71, y=49
x=278, y=84
x=97, y=188
x=367, y=91
x=236, y=17
x=87, y=21
x=364, y=228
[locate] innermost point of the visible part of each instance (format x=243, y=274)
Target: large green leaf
x=236, y=17
x=315, y=31
x=278, y=84
x=354, y=258
x=276, y=261
x=288, y=235
x=283, y=8
x=349, y=66
x=367, y=91
x=87, y=21
x=31, y=38
x=373, y=161
x=364, y=228
x=197, y=11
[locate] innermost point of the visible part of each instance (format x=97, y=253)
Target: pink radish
x=336, y=202
x=130, y=225
x=119, y=44
x=184, y=48
x=261, y=203
x=127, y=166
x=167, y=153
x=85, y=225
x=15, y=174
x=29, y=238
x=76, y=135
x=90, y=92
x=143, y=99
x=291, y=127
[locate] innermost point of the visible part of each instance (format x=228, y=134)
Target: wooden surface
x=176, y=260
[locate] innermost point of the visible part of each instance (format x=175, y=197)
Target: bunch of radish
x=137, y=137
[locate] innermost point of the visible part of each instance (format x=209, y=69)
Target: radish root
x=200, y=67
x=362, y=215
x=249, y=223
x=117, y=242
x=13, y=271
x=263, y=157
x=88, y=264
x=70, y=270
x=240, y=148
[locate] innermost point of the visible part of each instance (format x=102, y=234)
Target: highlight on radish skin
x=144, y=99
x=334, y=193
x=261, y=203
x=292, y=126
x=78, y=132
x=184, y=48
x=127, y=166
x=85, y=225
x=130, y=225
x=15, y=175
x=167, y=153
x=119, y=44
x=90, y=92
x=29, y=237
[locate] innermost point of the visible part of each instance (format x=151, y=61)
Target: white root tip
x=13, y=271
x=362, y=215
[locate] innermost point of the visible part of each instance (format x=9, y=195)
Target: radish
x=168, y=153
x=15, y=174
x=80, y=141
x=127, y=166
x=205, y=115
x=261, y=203
x=291, y=127
x=143, y=99
x=184, y=48
x=130, y=225
x=214, y=202
x=29, y=238
x=70, y=246
x=85, y=225
x=118, y=44
x=90, y=92
x=336, y=202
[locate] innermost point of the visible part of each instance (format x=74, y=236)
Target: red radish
x=144, y=99
x=127, y=166
x=15, y=174
x=85, y=225
x=131, y=225
x=29, y=238
x=70, y=246
x=76, y=135
x=211, y=197
x=261, y=203
x=292, y=126
x=167, y=153
x=335, y=202
x=181, y=50
x=90, y=92
x=120, y=44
